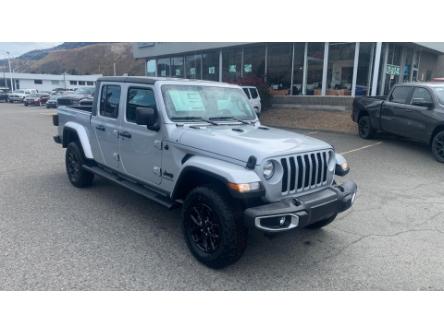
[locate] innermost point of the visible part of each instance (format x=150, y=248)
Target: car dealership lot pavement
x=57, y=237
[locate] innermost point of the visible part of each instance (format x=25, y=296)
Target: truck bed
x=75, y=114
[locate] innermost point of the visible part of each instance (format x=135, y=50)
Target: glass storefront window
x=177, y=67
x=298, y=70
x=210, y=66
x=163, y=67
x=194, y=67
x=365, y=69
x=392, y=70
x=231, y=62
x=340, y=69
x=254, y=61
x=151, y=67
x=279, y=67
x=407, y=68
x=315, y=61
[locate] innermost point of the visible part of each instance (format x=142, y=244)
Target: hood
x=240, y=142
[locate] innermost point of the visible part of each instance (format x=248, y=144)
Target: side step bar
x=138, y=188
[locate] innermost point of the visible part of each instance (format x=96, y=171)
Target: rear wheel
x=212, y=233
x=438, y=146
x=365, y=128
x=74, y=160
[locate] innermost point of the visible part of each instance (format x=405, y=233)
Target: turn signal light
x=246, y=187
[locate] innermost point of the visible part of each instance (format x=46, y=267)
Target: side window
x=254, y=93
x=138, y=97
x=422, y=94
x=246, y=92
x=109, y=101
x=400, y=95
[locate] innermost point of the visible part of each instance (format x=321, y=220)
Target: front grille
x=64, y=101
x=305, y=171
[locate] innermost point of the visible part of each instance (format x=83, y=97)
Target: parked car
x=254, y=98
x=4, y=94
x=80, y=97
x=411, y=110
x=200, y=145
x=20, y=94
x=36, y=99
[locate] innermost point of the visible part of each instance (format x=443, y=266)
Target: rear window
x=254, y=93
x=439, y=91
x=246, y=92
x=400, y=95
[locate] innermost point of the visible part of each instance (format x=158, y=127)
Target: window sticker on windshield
x=186, y=100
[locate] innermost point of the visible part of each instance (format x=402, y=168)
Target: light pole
x=10, y=71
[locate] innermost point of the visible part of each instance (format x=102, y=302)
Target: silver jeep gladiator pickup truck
x=199, y=145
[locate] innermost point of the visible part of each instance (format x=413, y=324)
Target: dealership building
x=303, y=70
x=46, y=82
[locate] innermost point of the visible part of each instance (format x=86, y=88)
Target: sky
x=17, y=49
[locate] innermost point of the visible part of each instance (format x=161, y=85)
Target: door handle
x=125, y=134
x=100, y=128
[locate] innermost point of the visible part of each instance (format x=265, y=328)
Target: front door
x=140, y=148
x=105, y=125
x=393, y=110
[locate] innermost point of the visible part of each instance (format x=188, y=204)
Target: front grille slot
x=304, y=172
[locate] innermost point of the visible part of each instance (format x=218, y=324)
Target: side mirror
x=147, y=117
x=422, y=102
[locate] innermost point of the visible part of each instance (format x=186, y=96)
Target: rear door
x=105, y=124
x=393, y=111
x=255, y=100
x=140, y=148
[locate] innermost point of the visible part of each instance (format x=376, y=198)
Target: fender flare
x=223, y=171
x=83, y=137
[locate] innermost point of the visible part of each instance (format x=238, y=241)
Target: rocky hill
x=81, y=58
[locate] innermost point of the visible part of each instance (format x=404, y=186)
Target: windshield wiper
x=232, y=118
x=185, y=118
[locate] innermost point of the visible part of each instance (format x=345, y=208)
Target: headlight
x=268, y=169
x=342, y=168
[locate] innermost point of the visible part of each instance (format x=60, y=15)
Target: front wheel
x=322, y=223
x=365, y=128
x=74, y=160
x=212, y=233
x=438, y=146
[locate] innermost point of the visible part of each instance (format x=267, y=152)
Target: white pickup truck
x=199, y=145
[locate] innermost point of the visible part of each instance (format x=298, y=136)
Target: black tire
x=213, y=233
x=26, y=104
x=438, y=146
x=322, y=223
x=365, y=128
x=74, y=159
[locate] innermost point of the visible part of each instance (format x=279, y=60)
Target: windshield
x=194, y=102
x=439, y=91
x=85, y=91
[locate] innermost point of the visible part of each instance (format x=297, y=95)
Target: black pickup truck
x=411, y=110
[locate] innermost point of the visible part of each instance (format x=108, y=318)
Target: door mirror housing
x=422, y=102
x=148, y=117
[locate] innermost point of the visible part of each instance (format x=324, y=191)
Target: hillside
x=81, y=58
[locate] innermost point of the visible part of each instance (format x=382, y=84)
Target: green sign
x=393, y=70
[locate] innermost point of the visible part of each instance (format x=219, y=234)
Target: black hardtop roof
x=149, y=79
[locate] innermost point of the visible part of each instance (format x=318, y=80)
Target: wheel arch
x=437, y=129
x=76, y=132
x=200, y=170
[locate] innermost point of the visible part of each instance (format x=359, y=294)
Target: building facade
x=46, y=82
x=301, y=68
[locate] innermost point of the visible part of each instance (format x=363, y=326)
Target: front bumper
x=302, y=211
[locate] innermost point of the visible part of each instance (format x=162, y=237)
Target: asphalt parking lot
x=57, y=237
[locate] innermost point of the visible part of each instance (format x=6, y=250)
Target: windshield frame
x=252, y=117
x=439, y=97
